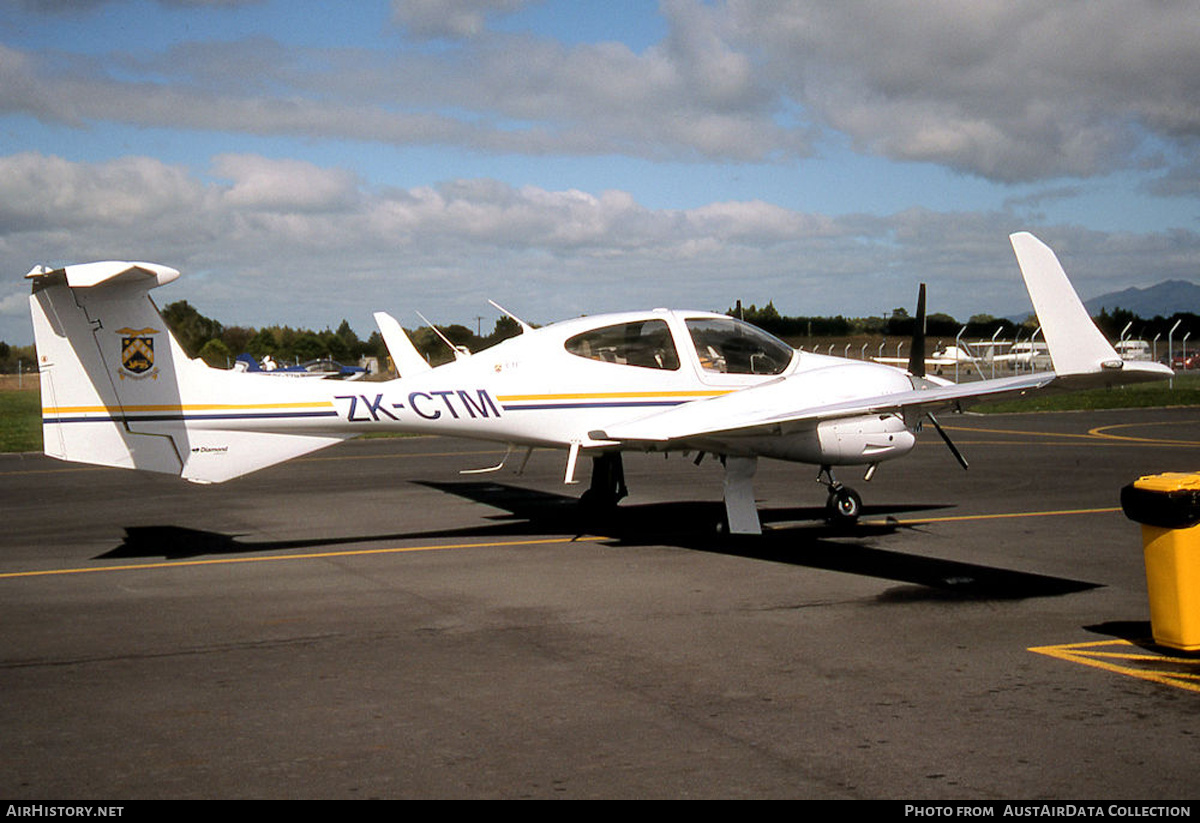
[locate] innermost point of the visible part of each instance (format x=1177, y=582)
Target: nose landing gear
x=843, y=506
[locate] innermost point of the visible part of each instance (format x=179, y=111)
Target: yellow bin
x=1168, y=507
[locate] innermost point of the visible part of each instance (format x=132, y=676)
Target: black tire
x=844, y=507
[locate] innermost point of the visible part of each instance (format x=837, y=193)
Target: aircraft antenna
x=524, y=326
x=455, y=350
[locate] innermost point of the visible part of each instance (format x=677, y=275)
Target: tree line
x=218, y=345
x=900, y=324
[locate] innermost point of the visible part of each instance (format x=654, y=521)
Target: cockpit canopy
x=731, y=346
x=645, y=343
x=722, y=345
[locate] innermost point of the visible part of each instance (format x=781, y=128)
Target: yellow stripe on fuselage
x=323, y=404
x=503, y=398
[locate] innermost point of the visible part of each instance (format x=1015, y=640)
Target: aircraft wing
x=775, y=408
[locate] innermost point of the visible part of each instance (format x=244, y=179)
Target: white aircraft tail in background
x=117, y=390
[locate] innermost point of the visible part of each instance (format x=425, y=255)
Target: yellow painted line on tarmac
x=64, y=470
x=1123, y=657
x=1108, y=444
x=1099, y=435
x=1022, y=432
x=1105, y=432
x=997, y=516
x=310, y=556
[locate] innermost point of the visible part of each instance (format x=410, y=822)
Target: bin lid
x=1169, y=482
x=1170, y=500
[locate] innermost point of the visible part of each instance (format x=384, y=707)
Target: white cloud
x=284, y=185
x=690, y=97
x=1011, y=90
x=120, y=195
x=251, y=255
x=1007, y=89
x=449, y=18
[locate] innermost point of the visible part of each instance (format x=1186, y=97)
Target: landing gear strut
x=608, y=483
x=843, y=506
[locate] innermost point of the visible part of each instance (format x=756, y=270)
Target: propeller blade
x=916, y=358
x=962, y=461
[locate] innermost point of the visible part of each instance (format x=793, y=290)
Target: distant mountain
x=1165, y=299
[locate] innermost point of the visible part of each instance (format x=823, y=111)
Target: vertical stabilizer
x=83, y=397
x=1077, y=348
x=408, y=360
x=1076, y=345
x=118, y=390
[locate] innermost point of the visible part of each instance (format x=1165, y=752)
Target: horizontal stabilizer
x=215, y=456
x=87, y=275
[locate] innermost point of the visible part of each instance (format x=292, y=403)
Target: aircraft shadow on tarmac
x=798, y=536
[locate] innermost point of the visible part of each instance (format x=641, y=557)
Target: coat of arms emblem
x=137, y=350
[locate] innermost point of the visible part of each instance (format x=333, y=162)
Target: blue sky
x=304, y=162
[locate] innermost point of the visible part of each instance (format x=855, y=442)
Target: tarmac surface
x=369, y=623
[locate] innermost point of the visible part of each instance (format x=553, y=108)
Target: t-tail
x=1081, y=355
x=118, y=390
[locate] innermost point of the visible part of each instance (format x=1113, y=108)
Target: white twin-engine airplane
x=117, y=390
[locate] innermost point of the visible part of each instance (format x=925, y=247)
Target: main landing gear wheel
x=607, y=487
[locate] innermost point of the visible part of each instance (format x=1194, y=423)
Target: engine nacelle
x=849, y=441
x=867, y=439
